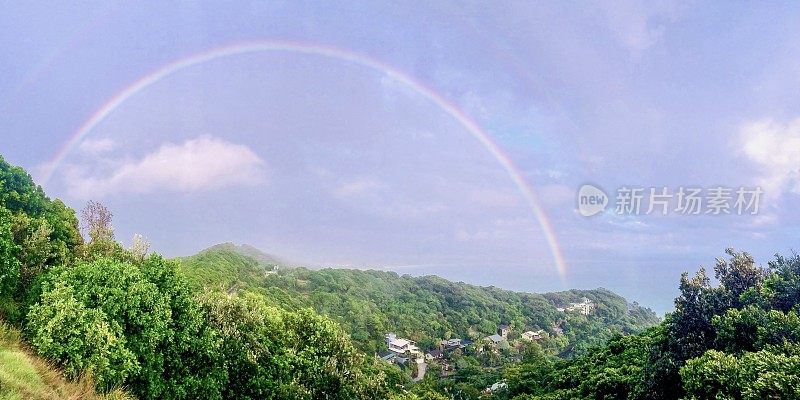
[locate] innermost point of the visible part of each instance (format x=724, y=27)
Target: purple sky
x=328, y=162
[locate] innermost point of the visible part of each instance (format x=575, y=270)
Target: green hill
x=229, y=267
x=369, y=303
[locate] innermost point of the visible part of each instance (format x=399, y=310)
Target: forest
x=370, y=303
x=85, y=317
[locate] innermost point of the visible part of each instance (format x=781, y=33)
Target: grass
x=25, y=376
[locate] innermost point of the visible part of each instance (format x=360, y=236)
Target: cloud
x=775, y=148
x=96, y=146
x=200, y=164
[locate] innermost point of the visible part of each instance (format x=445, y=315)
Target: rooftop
x=495, y=338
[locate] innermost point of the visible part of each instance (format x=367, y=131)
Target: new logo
x=591, y=200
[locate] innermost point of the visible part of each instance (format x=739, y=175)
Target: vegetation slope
x=369, y=303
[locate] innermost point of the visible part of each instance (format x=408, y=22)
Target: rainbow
x=344, y=55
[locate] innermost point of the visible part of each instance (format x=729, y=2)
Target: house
x=390, y=337
x=435, y=354
x=450, y=344
x=498, y=386
x=532, y=335
x=404, y=346
x=503, y=330
x=495, y=339
x=387, y=356
x=585, y=307
x=405, y=353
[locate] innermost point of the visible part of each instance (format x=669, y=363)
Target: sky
x=447, y=138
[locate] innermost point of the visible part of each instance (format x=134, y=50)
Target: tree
x=80, y=339
x=275, y=354
x=97, y=222
x=139, y=247
x=766, y=374
x=22, y=197
x=158, y=329
x=782, y=287
x=738, y=276
x=35, y=247
x=9, y=263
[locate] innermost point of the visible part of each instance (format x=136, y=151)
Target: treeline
x=128, y=319
x=739, y=339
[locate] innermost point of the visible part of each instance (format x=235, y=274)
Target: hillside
x=369, y=303
x=228, y=266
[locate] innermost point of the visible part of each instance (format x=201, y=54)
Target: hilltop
x=228, y=266
x=247, y=250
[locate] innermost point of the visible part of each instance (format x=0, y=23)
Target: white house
x=585, y=307
x=402, y=346
x=532, y=335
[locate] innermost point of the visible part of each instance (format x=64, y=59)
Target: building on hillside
x=434, y=354
x=404, y=346
x=494, y=339
x=450, y=344
x=387, y=356
x=532, y=335
x=584, y=307
x=389, y=337
x=405, y=353
x=496, y=387
x=503, y=330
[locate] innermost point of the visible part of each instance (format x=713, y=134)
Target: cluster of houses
x=585, y=307
x=504, y=330
x=405, y=352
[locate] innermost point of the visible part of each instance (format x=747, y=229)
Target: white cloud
x=203, y=163
x=775, y=148
x=96, y=146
